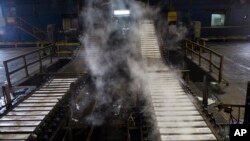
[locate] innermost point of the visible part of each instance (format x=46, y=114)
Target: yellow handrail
x=66, y=49
x=192, y=48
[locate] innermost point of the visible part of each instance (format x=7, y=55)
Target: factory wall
x=237, y=15
x=43, y=12
x=39, y=13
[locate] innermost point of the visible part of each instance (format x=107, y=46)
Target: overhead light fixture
x=121, y=12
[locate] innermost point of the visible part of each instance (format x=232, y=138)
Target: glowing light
x=121, y=12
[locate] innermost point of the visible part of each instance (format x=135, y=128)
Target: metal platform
x=176, y=117
x=21, y=122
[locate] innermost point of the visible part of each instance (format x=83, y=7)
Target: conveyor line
x=176, y=116
x=22, y=121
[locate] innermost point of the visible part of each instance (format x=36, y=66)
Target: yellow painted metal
x=196, y=50
x=16, y=44
x=67, y=44
x=172, y=16
x=64, y=49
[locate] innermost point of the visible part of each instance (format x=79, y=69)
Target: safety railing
x=23, y=44
x=66, y=49
x=233, y=115
x=202, y=41
x=39, y=56
x=205, y=57
x=229, y=109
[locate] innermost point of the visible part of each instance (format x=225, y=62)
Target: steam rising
x=113, y=58
x=174, y=35
x=111, y=54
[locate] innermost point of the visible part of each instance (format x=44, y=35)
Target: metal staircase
x=31, y=29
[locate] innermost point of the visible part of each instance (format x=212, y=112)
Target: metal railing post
x=205, y=92
x=7, y=73
x=58, y=51
x=210, y=61
x=7, y=96
x=204, y=43
x=186, y=49
x=192, y=51
x=26, y=67
x=7, y=88
x=204, y=59
x=40, y=59
x=51, y=54
x=200, y=55
x=221, y=68
x=37, y=44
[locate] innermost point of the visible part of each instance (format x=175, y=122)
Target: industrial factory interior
x=124, y=70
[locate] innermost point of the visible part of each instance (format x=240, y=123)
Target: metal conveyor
x=176, y=117
x=28, y=118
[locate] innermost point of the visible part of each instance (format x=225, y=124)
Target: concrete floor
x=237, y=60
x=236, y=69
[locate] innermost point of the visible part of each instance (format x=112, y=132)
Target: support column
x=247, y=105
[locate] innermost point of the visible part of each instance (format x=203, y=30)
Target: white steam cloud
x=174, y=35
x=112, y=55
